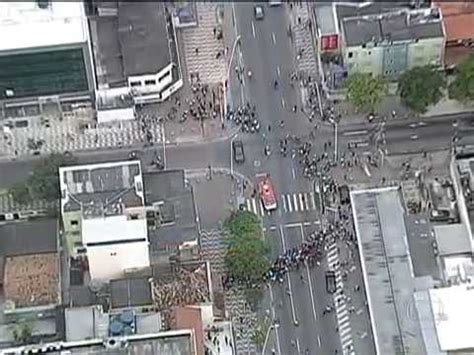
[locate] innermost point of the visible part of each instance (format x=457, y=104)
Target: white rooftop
x=454, y=316
x=25, y=25
x=113, y=229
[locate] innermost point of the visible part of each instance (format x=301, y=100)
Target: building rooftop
x=176, y=223
x=189, y=317
x=134, y=41
x=100, y=231
x=399, y=24
x=458, y=17
x=420, y=243
x=33, y=236
x=86, y=323
x=452, y=239
x=25, y=25
x=453, y=315
x=130, y=292
x=163, y=343
x=324, y=13
x=101, y=189
x=387, y=269
x=32, y=280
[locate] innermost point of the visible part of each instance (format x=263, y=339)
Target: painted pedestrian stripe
x=288, y=203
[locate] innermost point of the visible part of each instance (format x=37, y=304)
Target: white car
x=259, y=14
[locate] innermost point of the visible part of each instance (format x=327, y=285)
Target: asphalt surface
x=296, y=305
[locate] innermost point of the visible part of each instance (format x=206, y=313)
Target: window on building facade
x=74, y=222
x=150, y=82
x=350, y=54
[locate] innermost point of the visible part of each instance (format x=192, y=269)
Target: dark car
x=238, y=150
x=344, y=194
x=330, y=281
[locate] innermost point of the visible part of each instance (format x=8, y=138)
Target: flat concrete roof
x=130, y=292
x=387, y=269
x=452, y=239
x=99, y=189
x=395, y=23
x=453, y=315
x=24, y=25
x=133, y=42
x=29, y=237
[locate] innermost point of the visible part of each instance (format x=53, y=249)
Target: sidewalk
x=392, y=103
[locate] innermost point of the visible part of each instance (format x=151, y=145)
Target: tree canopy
x=365, y=92
x=43, y=183
x=421, y=87
x=462, y=88
x=247, y=253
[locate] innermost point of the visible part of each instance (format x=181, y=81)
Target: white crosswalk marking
x=301, y=198
x=295, y=200
x=342, y=312
x=262, y=211
x=312, y=200
x=290, y=203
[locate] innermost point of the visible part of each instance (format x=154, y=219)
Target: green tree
x=22, y=333
x=43, y=184
x=247, y=253
x=365, y=92
x=462, y=88
x=20, y=193
x=421, y=87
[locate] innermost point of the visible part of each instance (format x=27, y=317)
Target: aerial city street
x=190, y=178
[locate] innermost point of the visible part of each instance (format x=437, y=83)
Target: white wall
x=117, y=114
x=162, y=79
x=363, y=60
x=428, y=51
x=111, y=261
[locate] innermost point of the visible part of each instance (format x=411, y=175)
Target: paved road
x=267, y=51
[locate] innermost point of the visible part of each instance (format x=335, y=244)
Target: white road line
x=283, y=103
x=306, y=201
x=293, y=172
x=295, y=200
x=319, y=341
x=285, y=208
x=306, y=224
x=273, y=38
x=278, y=71
x=292, y=225
x=346, y=340
x=290, y=206
x=298, y=345
x=254, y=206
x=272, y=228
x=253, y=29
x=313, y=200
x=300, y=197
x=355, y=133
x=344, y=331
x=292, y=303
x=310, y=283
x=249, y=205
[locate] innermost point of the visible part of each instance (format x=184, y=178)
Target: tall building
x=104, y=217
x=45, y=52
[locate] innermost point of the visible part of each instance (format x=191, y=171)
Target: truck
x=266, y=192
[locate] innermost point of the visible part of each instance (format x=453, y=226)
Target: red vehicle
x=266, y=192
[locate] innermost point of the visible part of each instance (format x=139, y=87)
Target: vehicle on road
x=259, y=14
x=330, y=281
x=238, y=151
x=266, y=192
x=414, y=137
x=344, y=194
x=274, y=3
x=133, y=154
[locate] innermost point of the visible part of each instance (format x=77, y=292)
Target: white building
x=135, y=48
x=104, y=217
x=45, y=52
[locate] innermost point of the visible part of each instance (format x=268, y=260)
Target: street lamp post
x=234, y=46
